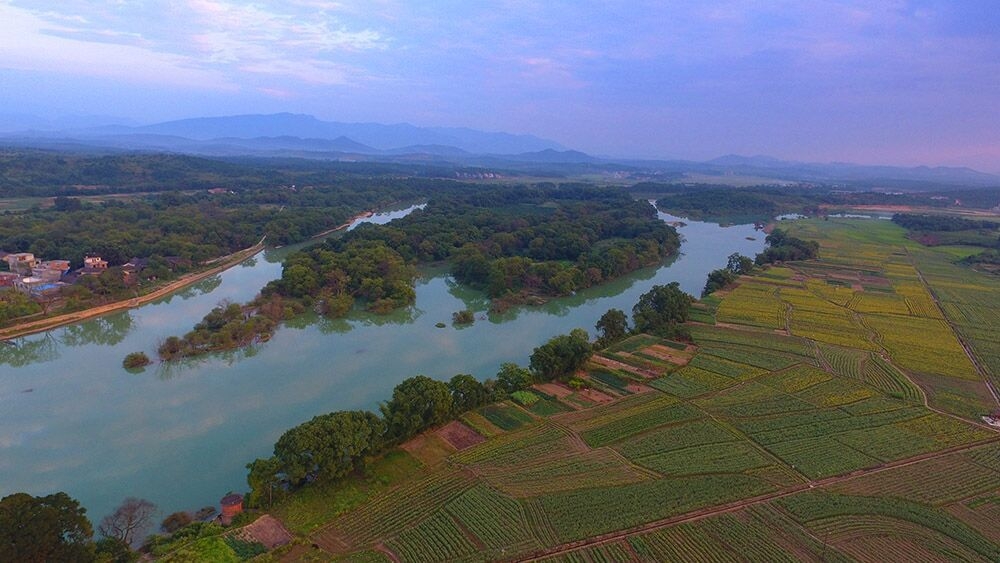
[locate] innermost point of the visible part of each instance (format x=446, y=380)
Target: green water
x=72, y=419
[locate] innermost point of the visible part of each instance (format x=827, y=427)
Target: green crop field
x=831, y=417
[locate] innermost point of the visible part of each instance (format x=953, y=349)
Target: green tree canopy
x=512, y=377
x=329, y=446
x=612, y=326
x=561, y=355
x=661, y=309
x=42, y=529
x=417, y=403
x=467, y=393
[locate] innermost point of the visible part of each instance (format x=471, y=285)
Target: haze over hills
x=304, y=136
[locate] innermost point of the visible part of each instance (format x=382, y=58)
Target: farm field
x=771, y=438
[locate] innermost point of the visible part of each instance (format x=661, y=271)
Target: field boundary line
x=958, y=334
x=701, y=514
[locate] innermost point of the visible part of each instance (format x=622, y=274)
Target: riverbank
x=222, y=264
x=57, y=321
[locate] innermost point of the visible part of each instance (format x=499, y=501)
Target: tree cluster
x=736, y=266
x=784, y=248
x=230, y=325
x=333, y=445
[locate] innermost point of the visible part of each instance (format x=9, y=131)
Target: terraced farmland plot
x=878, y=539
x=578, y=470
x=753, y=308
x=722, y=366
x=674, y=437
x=794, y=379
x=888, y=303
x=397, y=509
x=581, y=514
x=606, y=553
x=923, y=345
x=437, y=538
x=769, y=430
x=846, y=362
x=766, y=341
x=757, y=357
x=690, y=382
x=820, y=457
x=684, y=542
x=838, y=328
x=542, y=441
x=886, y=443
x=498, y=522
x=622, y=408
x=945, y=431
x=934, y=481
x=505, y=416
x=818, y=511
x=878, y=373
x=626, y=426
x=836, y=392
x=752, y=399
x=729, y=457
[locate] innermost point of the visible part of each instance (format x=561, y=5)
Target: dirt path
x=739, y=505
x=958, y=335
x=223, y=263
x=42, y=325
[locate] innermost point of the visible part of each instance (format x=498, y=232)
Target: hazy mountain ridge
x=304, y=136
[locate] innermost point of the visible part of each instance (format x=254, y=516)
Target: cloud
x=209, y=44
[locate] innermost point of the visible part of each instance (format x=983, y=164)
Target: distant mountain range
x=304, y=136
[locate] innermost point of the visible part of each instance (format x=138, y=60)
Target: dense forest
x=764, y=202
x=934, y=230
x=514, y=242
x=48, y=173
x=194, y=226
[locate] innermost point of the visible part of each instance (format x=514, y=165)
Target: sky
x=875, y=82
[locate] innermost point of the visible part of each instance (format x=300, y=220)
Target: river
x=72, y=419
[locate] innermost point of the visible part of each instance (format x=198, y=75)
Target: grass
x=505, y=416
x=317, y=504
x=754, y=411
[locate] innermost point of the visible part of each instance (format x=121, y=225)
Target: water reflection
x=108, y=330
x=29, y=350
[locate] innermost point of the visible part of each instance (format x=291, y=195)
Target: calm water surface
x=72, y=419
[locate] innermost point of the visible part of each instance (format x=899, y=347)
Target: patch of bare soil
x=637, y=388
x=266, y=530
x=595, y=396
x=428, y=448
x=557, y=390
x=668, y=354
x=459, y=435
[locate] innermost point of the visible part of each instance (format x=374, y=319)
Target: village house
x=21, y=262
x=93, y=266
x=7, y=279
x=51, y=270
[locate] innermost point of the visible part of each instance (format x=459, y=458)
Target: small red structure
x=231, y=506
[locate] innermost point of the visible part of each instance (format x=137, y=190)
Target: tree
x=135, y=360
x=175, y=522
x=661, y=310
x=739, y=264
x=417, y=403
x=561, y=355
x=718, y=279
x=111, y=550
x=463, y=317
x=613, y=326
x=329, y=446
x=49, y=528
x=266, y=484
x=510, y=378
x=467, y=393
x=129, y=522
